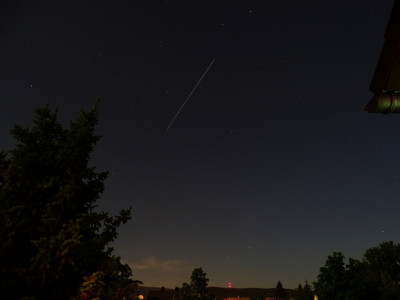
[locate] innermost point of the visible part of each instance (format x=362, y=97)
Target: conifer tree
x=280, y=292
x=52, y=236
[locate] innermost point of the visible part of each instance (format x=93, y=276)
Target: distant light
x=229, y=284
x=140, y=297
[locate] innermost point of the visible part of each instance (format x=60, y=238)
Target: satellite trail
x=189, y=95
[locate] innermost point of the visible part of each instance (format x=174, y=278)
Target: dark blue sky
x=271, y=165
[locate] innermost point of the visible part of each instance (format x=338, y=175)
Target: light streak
x=198, y=82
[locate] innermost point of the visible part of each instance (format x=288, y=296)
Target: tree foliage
x=280, y=292
x=304, y=292
x=196, y=289
x=331, y=279
x=52, y=238
x=376, y=276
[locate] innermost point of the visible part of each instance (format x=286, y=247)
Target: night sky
x=271, y=165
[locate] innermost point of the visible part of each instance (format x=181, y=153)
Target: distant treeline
x=220, y=293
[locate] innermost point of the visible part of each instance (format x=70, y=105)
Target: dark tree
x=359, y=285
x=331, y=284
x=383, y=267
x=199, y=283
x=304, y=293
x=185, y=292
x=196, y=289
x=377, y=276
x=308, y=292
x=298, y=292
x=51, y=234
x=280, y=292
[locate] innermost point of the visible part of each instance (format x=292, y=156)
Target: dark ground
x=156, y=293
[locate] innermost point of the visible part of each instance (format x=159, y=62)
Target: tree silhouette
x=280, y=292
x=304, y=292
x=196, y=289
x=331, y=282
x=52, y=237
x=376, y=276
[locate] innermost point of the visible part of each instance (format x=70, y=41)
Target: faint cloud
x=156, y=272
x=154, y=264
